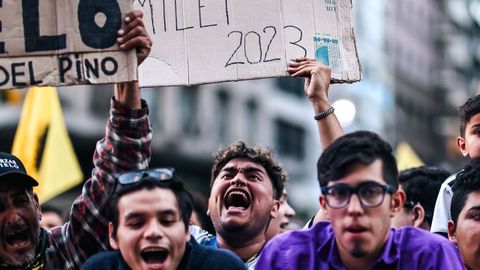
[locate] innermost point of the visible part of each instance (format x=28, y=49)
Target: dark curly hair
x=360, y=147
x=260, y=155
x=421, y=185
x=466, y=182
x=467, y=111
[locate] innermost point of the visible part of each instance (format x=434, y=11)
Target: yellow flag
x=42, y=144
x=406, y=157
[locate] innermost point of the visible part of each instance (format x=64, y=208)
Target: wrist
x=320, y=104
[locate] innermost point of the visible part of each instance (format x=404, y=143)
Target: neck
x=244, y=249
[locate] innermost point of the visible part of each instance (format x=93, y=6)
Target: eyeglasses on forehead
x=132, y=177
x=370, y=193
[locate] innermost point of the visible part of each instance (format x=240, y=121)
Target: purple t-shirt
x=316, y=249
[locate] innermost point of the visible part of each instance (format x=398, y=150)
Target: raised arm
x=126, y=146
x=317, y=81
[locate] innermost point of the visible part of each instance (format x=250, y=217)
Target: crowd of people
x=129, y=216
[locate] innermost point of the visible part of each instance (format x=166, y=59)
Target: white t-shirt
x=441, y=214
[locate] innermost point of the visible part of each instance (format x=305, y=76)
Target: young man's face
x=241, y=199
x=280, y=223
x=361, y=231
x=470, y=144
x=466, y=233
x=151, y=233
x=19, y=224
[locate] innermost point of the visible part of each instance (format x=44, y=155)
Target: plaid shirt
x=126, y=146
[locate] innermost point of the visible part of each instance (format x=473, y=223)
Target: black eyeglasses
x=135, y=177
x=371, y=194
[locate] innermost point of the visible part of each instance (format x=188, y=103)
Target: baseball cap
x=12, y=167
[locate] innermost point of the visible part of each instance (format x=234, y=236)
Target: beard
x=20, y=260
x=358, y=251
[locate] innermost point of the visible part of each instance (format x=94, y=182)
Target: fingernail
x=119, y=40
x=127, y=19
x=120, y=32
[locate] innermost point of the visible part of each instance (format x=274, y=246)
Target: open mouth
x=356, y=230
x=17, y=238
x=284, y=225
x=154, y=255
x=237, y=199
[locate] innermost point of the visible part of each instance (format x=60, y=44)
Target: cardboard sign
x=58, y=42
x=206, y=41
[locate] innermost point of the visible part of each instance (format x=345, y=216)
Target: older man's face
x=19, y=224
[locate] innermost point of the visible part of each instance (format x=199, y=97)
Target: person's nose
x=354, y=207
x=239, y=180
x=289, y=211
x=12, y=217
x=154, y=231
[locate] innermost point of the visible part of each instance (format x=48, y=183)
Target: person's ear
x=323, y=206
x=112, y=237
x=418, y=215
x=37, y=205
x=452, y=231
x=462, y=146
x=398, y=199
x=275, y=207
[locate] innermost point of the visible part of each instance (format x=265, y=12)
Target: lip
x=155, y=265
x=356, y=230
x=19, y=246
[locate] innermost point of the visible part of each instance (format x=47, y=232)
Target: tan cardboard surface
x=206, y=41
x=59, y=42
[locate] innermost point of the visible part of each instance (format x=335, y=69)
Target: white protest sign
x=56, y=42
x=205, y=41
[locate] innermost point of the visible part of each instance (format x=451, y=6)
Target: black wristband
x=321, y=115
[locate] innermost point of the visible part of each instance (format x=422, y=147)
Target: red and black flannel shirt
x=126, y=146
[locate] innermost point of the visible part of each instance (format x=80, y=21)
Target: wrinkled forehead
x=9, y=186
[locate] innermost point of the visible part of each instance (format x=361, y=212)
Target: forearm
x=329, y=128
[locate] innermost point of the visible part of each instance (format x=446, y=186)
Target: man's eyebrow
x=133, y=215
x=474, y=208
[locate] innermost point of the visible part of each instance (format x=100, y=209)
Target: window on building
x=293, y=86
x=223, y=105
x=189, y=110
x=290, y=139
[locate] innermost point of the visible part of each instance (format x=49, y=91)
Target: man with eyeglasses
x=359, y=181
x=149, y=228
x=126, y=146
x=421, y=185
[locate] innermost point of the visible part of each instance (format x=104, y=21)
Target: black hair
x=421, y=185
x=184, y=198
x=360, y=147
x=259, y=155
x=466, y=182
x=465, y=112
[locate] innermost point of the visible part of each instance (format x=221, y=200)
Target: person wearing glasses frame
x=359, y=180
x=421, y=185
x=149, y=228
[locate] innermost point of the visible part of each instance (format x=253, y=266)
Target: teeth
x=153, y=249
x=239, y=193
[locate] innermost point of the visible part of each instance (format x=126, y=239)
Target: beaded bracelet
x=321, y=115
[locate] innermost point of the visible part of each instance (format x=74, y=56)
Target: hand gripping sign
x=56, y=42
